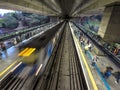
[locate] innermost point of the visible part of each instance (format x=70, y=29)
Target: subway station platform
x=67, y=67
x=10, y=57
x=55, y=59
x=94, y=74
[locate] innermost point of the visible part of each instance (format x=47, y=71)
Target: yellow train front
x=28, y=56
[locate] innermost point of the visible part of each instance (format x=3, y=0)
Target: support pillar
x=110, y=25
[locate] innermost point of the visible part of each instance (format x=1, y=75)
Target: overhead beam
x=82, y=6
x=76, y=5
x=95, y=5
x=42, y=7
x=52, y=4
x=79, y=5
x=27, y=6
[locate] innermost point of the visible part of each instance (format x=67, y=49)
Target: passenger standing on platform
x=95, y=58
x=108, y=71
x=90, y=46
x=117, y=77
x=93, y=62
x=86, y=48
x=81, y=42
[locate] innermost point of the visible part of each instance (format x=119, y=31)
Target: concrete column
x=110, y=25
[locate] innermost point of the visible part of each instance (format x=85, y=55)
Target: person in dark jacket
x=108, y=72
x=117, y=77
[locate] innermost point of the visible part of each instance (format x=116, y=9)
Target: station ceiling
x=72, y=8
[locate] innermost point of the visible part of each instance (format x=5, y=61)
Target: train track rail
x=20, y=78
x=63, y=69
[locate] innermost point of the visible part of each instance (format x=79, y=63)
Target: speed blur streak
x=38, y=70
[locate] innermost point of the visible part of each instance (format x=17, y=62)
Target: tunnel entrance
x=66, y=17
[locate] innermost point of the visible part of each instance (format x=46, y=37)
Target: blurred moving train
x=44, y=46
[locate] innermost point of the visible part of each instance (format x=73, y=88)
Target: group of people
x=108, y=73
x=88, y=47
x=86, y=44
x=113, y=49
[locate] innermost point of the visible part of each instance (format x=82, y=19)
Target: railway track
x=15, y=78
x=20, y=78
x=63, y=71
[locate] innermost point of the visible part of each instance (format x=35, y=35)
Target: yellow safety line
x=4, y=71
x=22, y=52
x=30, y=52
x=87, y=67
x=86, y=64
